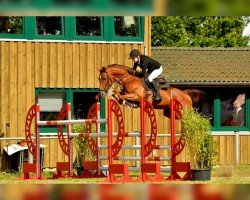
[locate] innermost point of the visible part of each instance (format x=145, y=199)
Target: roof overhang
x=209, y=84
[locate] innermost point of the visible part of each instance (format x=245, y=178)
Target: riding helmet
x=134, y=53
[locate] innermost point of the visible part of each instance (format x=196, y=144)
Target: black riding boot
x=157, y=96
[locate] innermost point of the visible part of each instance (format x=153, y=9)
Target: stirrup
x=157, y=98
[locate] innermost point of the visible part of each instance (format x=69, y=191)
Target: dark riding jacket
x=147, y=65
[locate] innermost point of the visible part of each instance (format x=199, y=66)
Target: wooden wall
x=29, y=65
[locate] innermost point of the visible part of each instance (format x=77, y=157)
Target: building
x=224, y=75
x=54, y=60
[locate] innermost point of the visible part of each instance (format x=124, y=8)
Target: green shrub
x=81, y=146
x=199, y=141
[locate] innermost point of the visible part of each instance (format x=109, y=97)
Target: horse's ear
x=102, y=69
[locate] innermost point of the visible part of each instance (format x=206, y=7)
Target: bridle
x=110, y=82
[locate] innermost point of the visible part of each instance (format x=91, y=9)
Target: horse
x=133, y=89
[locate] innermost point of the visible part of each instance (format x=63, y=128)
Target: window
x=50, y=105
x=52, y=100
x=233, y=109
x=82, y=104
x=48, y=25
x=85, y=28
x=126, y=26
x=11, y=25
x=88, y=26
x=228, y=109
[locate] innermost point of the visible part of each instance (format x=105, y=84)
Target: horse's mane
x=103, y=69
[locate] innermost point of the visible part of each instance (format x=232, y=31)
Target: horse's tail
x=197, y=96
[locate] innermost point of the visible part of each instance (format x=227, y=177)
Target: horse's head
x=109, y=75
x=104, y=81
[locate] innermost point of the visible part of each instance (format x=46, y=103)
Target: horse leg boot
x=156, y=96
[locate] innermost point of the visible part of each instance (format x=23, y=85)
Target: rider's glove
x=131, y=71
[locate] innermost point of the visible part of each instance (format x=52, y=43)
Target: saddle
x=161, y=83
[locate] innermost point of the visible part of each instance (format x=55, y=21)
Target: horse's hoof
x=127, y=104
x=134, y=105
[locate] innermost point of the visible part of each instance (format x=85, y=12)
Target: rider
x=148, y=65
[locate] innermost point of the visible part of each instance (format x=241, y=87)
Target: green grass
x=220, y=175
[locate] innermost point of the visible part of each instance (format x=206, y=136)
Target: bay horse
x=133, y=89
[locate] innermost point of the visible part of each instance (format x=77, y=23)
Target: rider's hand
x=131, y=71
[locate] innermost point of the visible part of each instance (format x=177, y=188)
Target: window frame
x=48, y=37
x=74, y=36
x=216, y=95
x=216, y=98
x=129, y=38
x=69, y=99
x=69, y=31
x=217, y=115
x=16, y=35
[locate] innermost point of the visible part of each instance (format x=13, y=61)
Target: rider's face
x=135, y=59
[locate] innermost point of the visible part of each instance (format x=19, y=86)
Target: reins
x=112, y=83
x=113, y=80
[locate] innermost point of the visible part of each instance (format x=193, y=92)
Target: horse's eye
x=102, y=78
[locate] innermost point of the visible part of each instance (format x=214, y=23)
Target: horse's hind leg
x=166, y=112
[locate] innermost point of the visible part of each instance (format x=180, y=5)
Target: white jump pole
x=67, y=122
x=133, y=158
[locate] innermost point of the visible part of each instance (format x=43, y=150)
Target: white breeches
x=155, y=74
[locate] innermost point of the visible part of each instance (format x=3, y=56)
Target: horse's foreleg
x=130, y=97
x=130, y=100
x=123, y=99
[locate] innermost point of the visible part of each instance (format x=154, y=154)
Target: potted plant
x=199, y=143
x=81, y=147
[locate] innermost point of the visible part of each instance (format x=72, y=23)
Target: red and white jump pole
x=34, y=148
x=146, y=110
x=113, y=148
x=177, y=147
x=147, y=148
x=65, y=143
